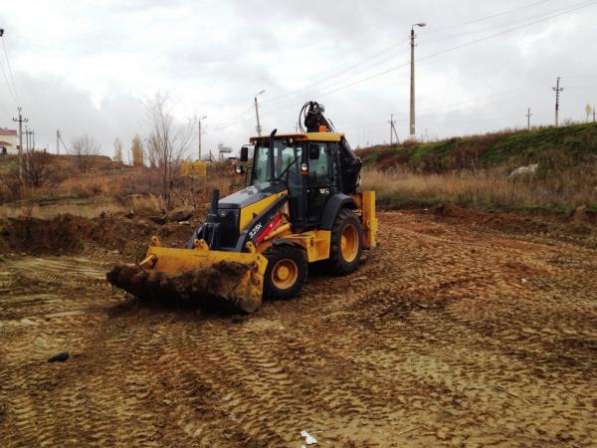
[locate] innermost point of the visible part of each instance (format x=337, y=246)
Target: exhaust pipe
x=215, y=198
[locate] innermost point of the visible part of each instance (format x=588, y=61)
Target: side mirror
x=244, y=154
x=314, y=152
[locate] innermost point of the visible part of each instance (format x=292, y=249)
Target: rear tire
x=287, y=270
x=346, y=243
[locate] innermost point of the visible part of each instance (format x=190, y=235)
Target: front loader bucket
x=200, y=276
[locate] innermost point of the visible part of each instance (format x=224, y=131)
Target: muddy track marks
x=449, y=335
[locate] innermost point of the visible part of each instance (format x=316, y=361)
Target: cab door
x=320, y=180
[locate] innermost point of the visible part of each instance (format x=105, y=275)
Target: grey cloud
x=58, y=105
x=237, y=48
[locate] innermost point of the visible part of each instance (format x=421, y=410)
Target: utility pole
x=593, y=113
x=257, y=112
x=412, y=78
x=28, y=139
x=558, y=91
x=30, y=135
x=20, y=120
x=58, y=141
x=529, y=115
x=200, y=134
x=393, y=131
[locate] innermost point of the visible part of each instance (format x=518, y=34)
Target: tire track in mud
x=55, y=410
x=442, y=338
x=512, y=321
x=221, y=372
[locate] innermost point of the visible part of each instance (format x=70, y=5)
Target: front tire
x=346, y=244
x=287, y=270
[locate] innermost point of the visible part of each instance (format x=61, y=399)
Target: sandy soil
x=451, y=334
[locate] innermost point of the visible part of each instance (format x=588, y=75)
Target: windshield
x=285, y=154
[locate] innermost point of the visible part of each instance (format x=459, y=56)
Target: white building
x=8, y=142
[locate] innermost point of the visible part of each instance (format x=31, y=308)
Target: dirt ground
x=453, y=333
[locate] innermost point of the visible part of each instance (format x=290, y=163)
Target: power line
x=226, y=124
x=10, y=72
x=533, y=21
x=455, y=107
x=10, y=86
x=457, y=47
x=493, y=16
x=363, y=62
x=340, y=73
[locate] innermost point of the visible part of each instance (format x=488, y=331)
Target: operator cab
x=312, y=166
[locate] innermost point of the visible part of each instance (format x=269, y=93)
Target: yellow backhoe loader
x=302, y=208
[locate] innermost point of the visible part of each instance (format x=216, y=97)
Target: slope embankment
x=544, y=169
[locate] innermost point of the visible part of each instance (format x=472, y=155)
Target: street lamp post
x=412, y=77
x=200, y=134
x=257, y=112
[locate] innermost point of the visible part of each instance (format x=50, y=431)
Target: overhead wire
x=364, y=62
x=8, y=85
x=463, y=45
x=528, y=22
x=433, y=55
x=339, y=73
x=493, y=16
x=226, y=124
x=10, y=72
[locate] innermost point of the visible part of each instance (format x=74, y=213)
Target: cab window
x=260, y=170
x=319, y=167
x=285, y=164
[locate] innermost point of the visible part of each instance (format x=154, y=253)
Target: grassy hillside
x=552, y=148
x=474, y=171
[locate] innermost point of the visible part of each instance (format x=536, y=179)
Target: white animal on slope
x=524, y=170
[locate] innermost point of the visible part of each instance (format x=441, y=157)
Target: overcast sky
x=90, y=67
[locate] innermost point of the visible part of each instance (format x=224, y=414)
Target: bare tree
x=167, y=142
x=36, y=166
x=117, y=151
x=83, y=147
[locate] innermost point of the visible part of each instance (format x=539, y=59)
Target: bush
x=10, y=186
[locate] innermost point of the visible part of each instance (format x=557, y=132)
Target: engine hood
x=248, y=196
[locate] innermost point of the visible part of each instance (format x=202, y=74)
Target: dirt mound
x=73, y=234
x=61, y=234
x=214, y=286
x=450, y=210
x=583, y=214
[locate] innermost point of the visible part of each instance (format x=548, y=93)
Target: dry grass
x=479, y=189
x=121, y=189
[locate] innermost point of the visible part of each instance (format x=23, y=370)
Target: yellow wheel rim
x=285, y=274
x=349, y=243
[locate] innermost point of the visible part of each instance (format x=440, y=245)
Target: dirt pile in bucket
x=214, y=286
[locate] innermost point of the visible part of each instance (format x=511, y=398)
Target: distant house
x=8, y=141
